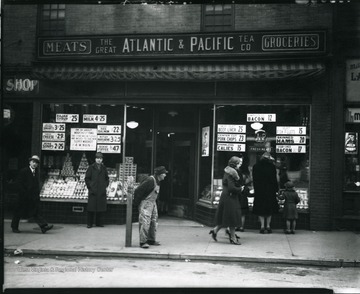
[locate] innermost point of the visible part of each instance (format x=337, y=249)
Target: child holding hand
x=290, y=213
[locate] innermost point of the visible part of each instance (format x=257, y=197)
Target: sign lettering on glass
x=290, y=149
x=109, y=129
x=67, y=118
x=53, y=136
x=52, y=127
x=290, y=140
x=261, y=117
x=95, y=118
x=108, y=139
x=53, y=146
x=231, y=128
x=291, y=130
x=109, y=148
x=230, y=147
x=231, y=138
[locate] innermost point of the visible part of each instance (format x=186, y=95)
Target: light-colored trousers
x=148, y=220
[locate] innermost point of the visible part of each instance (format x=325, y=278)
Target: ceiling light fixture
x=132, y=124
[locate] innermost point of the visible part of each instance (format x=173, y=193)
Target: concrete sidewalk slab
x=184, y=239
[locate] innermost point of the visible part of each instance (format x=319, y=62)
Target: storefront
x=190, y=105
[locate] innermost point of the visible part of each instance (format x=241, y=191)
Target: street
x=86, y=272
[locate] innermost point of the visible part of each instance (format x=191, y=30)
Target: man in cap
x=145, y=197
x=96, y=180
x=29, y=197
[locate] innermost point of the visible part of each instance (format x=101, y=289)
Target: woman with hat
x=29, y=197
x=96, y=180
x=228, y=213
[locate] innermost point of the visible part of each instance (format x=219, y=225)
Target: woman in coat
x=97, y=180
x=228, y=213
x=265, y=188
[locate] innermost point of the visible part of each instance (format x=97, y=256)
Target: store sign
x=52, y=127
x=109, y=129
x=290, y=149
x=109, y=148
x=290, y=139
x=231, y=128
x=25, y=85
x=353, y=80
x=230, y=147
x=165, y=45
x=53, y=137
x=83, y=139
x=352, y=115
x=231, y=138
x=291, y=130
x=53, y=146
x=261, y=117
x=109, y=139
x=67, y=118
x=95, y=118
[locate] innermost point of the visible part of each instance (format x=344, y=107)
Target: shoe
x=269, y=230
x=16, y=231
x=262, y=231
x=213, y=235
x=228, y=233
x=293, y=232
x=234, y=242
x=144, y=245
x=287, y=232
x=89, y=226
x=46, y=228
x=154, y=243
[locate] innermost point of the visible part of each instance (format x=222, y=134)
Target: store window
x=218, y=17
x=251, y=130
x=52, y=20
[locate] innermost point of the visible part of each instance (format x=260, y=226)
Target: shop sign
x=290, y=139
x=261, y=117
x=16, y=85
x=231, y=147
x=95, y=118
x=352, y=115
x=52, y=127
x=108, y=139
x=109, y=129
x=109, y=148
x=83, y=139
x=290, y=149
x=291, y=130
x=231, y=138
x=353, y=80
x=53, y=146
x=231, y=128
x=351, y=143
x=53, y=137
x=67, y=118
x=165, y=45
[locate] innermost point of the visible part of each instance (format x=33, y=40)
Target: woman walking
x=228, y=213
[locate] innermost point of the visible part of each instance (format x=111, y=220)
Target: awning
x=204, y=72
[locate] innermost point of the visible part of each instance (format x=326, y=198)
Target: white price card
x=53, y=146
x=83, y=139
x=221, y=128
x=109, y=148
x=291, y=130
x=53, y=137
x=67, y=118
x=230, y=147
x=109, y=129
x=290, y=139
x=95, y=118
x=290, y=149
x=51, y=127
x=108, y=139
x=261, y=117
x=231, y=137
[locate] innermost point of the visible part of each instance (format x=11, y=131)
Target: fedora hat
x=35, y=158
x=160, y=170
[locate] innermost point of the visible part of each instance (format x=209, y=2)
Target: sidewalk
x=189, y=240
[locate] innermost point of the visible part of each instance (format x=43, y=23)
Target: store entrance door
x=175, y=149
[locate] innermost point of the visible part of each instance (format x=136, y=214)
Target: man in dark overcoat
x=27, y=206
x=96, y=180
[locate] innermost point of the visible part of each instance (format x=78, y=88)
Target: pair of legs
x=290, y=225
x=265, y=220
x=42, y=223
x=232, y=237
x=241, y=229
x=148, y=221
x=94, y=216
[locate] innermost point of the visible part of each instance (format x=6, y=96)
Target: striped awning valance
x=248, y=71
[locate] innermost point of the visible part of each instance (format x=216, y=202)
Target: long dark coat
x=265, y=188
x=291, y=200
x=228, y=213
x=96, y=181
x=28, y=192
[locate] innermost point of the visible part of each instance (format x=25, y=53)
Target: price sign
x=230, y=147
x=108, y=148
x=108, y=139
x=290, y=149
x=83, y=139
x=109, y=129
x=291, y=130
x=53, y=137
x=53, y=146
x=231, y=128
x=95, y=118
x=261, y=117
x=290, y=139
x=67, y=118
x=231, y=138
x=51, y=127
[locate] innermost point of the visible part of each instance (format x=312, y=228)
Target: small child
x=290, y=213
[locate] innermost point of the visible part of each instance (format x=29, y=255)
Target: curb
x=190, y=257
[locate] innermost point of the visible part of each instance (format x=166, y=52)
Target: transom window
x=52, y=20
x=218, y=17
